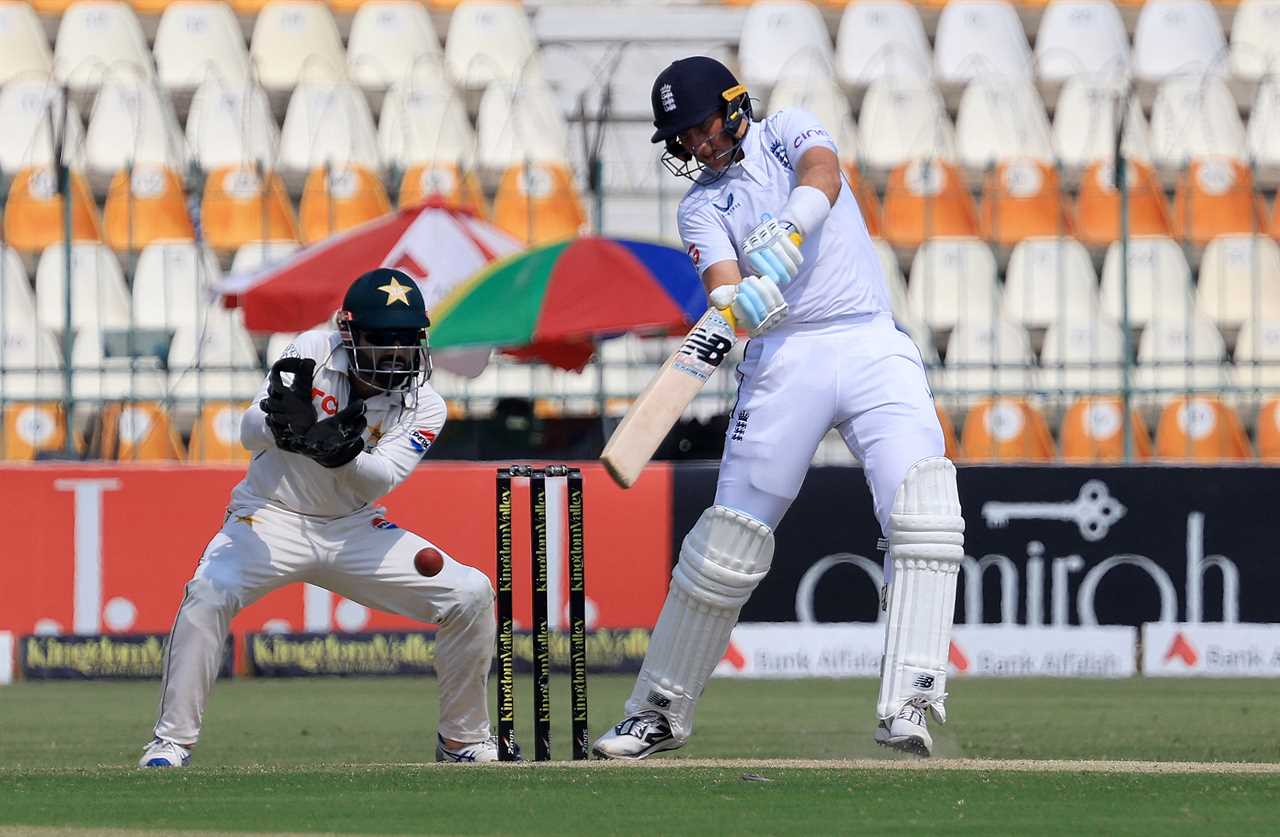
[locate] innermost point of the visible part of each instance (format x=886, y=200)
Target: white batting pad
x=926, y=545
x=722, y=559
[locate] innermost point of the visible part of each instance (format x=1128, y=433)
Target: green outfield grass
x=345, y=756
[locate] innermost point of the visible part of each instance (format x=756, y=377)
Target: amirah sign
x=1046, y=546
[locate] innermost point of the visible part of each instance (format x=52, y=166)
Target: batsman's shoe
x=163, y=753
x=907, y=731
x=637, y=736
x=479, y=751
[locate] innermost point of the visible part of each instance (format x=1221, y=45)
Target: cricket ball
x=428, y=562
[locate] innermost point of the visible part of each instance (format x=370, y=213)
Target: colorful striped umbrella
x=551, y=303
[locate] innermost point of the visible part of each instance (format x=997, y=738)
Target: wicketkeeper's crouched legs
x=722, y=559
x=926, y=545
x=464, y=653
x=192, y=658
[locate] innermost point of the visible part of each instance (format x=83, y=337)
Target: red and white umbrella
x=438, y=244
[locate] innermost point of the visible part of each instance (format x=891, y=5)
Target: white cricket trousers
x=861, y=376
x=360, y=557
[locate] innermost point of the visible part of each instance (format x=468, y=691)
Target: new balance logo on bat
x=708, y=348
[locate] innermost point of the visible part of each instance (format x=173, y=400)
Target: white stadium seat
x=425, y=123
x=953, y=280
x=172, y=284
x=1180, y=354
x=488, y=41
x=99, y=375
x=1159, y=281
x=1262, y=136
x=630, y=163
x=327, y=122
x=295, y=40
x=99, y=296
x=1081, y=37
x=25, y=107
x=99, y=40
x=1239, y=280
x=581, y=72
x=230, y=123
x=1178, y=37
x=1001, y=119
x=1257, y=354
x=698, y=24
x=881, y=39
x=808, y=85
x=17, y=303
x=1084, y=124
x=776, y=34
x=388, y=40
x=1255, y=39
x=214, y=360
x=985, y=358
x=1195, y=117
x=196, y=41
x=24, y=49
x=1050, y=278
x=897, y=285
x=255, y=255
x=131, y=123
x=978, y=38
x=645, y=217
x=520, y=124
x=903, y=121
x=30, y=363
x=1082, y=355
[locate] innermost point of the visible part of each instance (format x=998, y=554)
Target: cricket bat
x=655, y=411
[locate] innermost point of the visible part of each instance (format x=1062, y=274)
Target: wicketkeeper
x=343, y=418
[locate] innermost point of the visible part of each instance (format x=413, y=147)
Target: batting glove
x=773, y=250
x=756, y=303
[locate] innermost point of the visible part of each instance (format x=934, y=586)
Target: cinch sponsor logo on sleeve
x=812, y=132
x=421, y=439
x=1179, y=649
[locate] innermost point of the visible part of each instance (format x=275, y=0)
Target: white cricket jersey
x=841, y=275
x=401, y=429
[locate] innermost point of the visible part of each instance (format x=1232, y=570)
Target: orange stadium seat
x=1269, y=430
x=144, y=206
x=926, y=199
x=1021, y=199
x=1097, y=216
x=1093, y=431
x=865, y=194
x=1216, y=197
x=51, y=8
x=33, y=213
x=446, y=181
x=30, y=428
x=151, y=7
x=538, y=203
x=248, y=8
x=1200, y=428
x=1004, y=429
x=951, y=446
x=239, y=207
x=137, y=431
x=338, y=198
x=216, y=435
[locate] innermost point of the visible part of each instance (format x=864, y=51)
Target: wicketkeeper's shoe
x=479, y=751
x=164, y=753
x=907, y=731
x=637, y=736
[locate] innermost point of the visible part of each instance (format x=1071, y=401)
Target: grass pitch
x=352, y=756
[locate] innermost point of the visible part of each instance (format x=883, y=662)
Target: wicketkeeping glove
x=773, y=250
x=337, y=440
x=288, y=408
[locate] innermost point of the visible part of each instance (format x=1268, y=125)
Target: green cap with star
x=385, y=299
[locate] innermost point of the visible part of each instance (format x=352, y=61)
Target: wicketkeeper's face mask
x=392, y=360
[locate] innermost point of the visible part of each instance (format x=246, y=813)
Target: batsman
x=344, y=417
x=781, y=246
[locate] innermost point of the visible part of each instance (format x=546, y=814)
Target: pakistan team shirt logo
x=668, y=98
